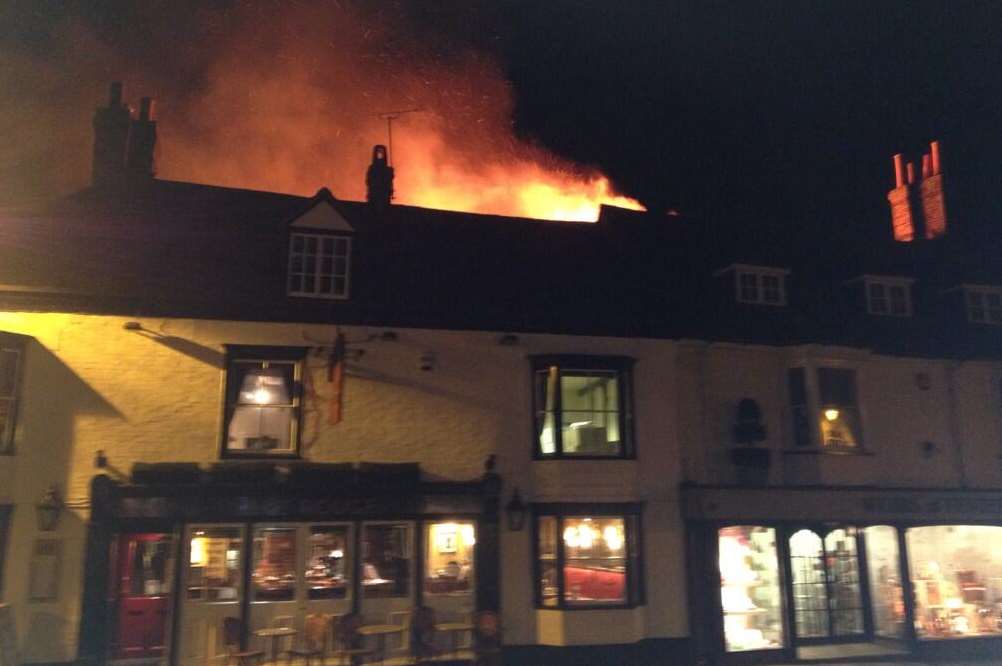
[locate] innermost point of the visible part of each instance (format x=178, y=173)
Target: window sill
x=827, y=452
x=233, y=455
x=573, y=609
x=539, y=457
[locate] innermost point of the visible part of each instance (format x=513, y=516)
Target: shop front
x=804, y=573
x=266, y=547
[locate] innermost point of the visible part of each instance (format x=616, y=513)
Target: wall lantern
x=516, y=511
x=49, y=509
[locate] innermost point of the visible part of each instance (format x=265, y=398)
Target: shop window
x=583, y=407
x=214, y=564
x=957, y=579
x=328, y=562
x=386, y=561
x=837, y=415
x=319, y=265
x=885, y=581
x=262, y=401
x=449, y=565
x=984, y=304
x=587, y=561
x=750, y=590
x=10, y=359
x=273, y=577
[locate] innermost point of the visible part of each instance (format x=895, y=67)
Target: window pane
x=546, y=396
x=594, y=561
x=260, y=404
x=150, y=568
x=326, y=265
x=449, y=558
x=311, y=244
x=274, y=574
x=590, y=413
x=341, y=266
x=885, y=581
x=809, y=584
x=957, y=576
x=749, y=286
x=899, y=300
x=214, y=564
x=328, y=247
x=878, y=298
x=328, y=563
x=309, y=284
x=386, y=567
x=548, y=590
x=837, y=386
x=297, y=243
x=750, y=593
x=840, y=428
x=844, y=601
x=770, y=288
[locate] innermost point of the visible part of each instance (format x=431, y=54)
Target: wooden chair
x=233, y=628
x=348, y=643
x=314, y=639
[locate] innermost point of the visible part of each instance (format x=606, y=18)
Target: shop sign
x=988, y=507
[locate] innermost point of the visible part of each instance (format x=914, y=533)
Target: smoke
x=288, y=97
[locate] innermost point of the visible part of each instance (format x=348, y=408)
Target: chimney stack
x=111, y=137
x=918, y=208
x=142, y=142
x=379, y=180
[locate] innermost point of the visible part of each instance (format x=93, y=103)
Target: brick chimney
x=918, y=207
x=111, y=136
x=142, y=141
x=379, y=179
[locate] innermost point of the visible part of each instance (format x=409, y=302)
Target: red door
x=145, y=568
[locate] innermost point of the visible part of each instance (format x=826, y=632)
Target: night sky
x=760, y=112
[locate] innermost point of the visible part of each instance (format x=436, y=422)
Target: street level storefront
x=175, y=554
x=775, y=572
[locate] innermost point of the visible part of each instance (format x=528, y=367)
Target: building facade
x=628, y=440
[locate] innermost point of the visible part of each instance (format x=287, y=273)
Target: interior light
x=198, y=552
x=469, y=534
x=831, y=414
x=579, y=424
x=571, y=537
x=613, y=537
x=337, y=554
x=261, y=396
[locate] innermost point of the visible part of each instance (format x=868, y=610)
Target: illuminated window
x=10, y=372
x=832, y=409
x=888, y=296
x=386, y=560
x=328, y=562
x=582, y=407
x=758, y=284
x=449, y=565
x=588, y=560
x=214, y=559
x=319, y=265
x=262, y=401
x=273, y=576
x=751, y=596
x=984, y=305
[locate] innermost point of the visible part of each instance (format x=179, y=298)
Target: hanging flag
x=335, y=376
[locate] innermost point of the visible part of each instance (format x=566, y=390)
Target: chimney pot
x=911, y=173
x=899, y=170
x=934, y=146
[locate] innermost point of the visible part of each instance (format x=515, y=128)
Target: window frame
x=632, y=515
x=815, y=408
x=12, y=342
x=758, y=275
x=320, y=235
x=888, y=283
x=622, y=366
x=264, y=354
x=982, y=292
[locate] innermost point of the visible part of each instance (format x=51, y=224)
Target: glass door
x=274, y=601
x=212, y=588
x=328, y=574
x=825, y=581
x=449, y=577
x=387, y=570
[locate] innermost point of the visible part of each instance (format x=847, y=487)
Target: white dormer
x=761, y=285
x=320, y=253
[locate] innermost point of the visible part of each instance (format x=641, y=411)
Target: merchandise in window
x=587, y=561
x=582, y=407
x=319, y=265
x=9, y=374
x=214, y=555
x=750, y=590
x=885, y=581
x=262, y=403
x=386, y=561
x=327, y=563
x=273, y=577
x=449, y=565
x=956, y=575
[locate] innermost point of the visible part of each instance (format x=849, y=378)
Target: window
x=273, y=576
x=386, y=560
x=10, y=361
x=582, y=407
x=328, y=562
x=319, y=265
x=751, y=595
x=836, y=412
x=760, y=285
x=984, y=305
x=588, y=559
x=888, y=296
x=214, y=559
x=262, y=401
x=449, y=565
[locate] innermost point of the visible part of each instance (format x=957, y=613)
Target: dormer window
x=984, y=304
x=320, y=251
x=318, y=265
x=888, y=296
x=760, y=285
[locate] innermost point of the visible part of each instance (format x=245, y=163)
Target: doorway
x=145, y=567
x=826, y=586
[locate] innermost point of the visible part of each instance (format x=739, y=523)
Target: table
x=380, y=631
x=275, y=633
x=454, y=629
